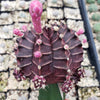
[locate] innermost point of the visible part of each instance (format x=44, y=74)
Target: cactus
x=92, y=8
x=49, y=55
x=96, y=17
x=98, y=1
x=90, y=1
x=96, y=27
x=98, y=37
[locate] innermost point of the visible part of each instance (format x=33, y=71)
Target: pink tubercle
x=35, y=77
x=67, y=77
x=84, y=40
x=66, y=47
x=37, y=54
x=24, y=28
x=39, y=41
x=18, y=32
x=80, y=31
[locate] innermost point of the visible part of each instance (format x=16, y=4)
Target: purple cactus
x=48, y=58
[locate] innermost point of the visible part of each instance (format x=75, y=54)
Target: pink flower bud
x=84, y=40
x=37, y=54
x=66, y=47
x=24, y=27
x=67, y=77
x=39, y=41
x=17, y=32
x=80, y=31
x=35, y=77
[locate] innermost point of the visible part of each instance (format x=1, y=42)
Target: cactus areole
x=46, y=58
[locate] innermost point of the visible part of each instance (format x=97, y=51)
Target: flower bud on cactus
x=39, y=41
x=17, y=32
x=80, y=31
x=66, y=47
x=37, y=54
x=84, y=40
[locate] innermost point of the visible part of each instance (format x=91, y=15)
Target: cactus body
x=46, y=58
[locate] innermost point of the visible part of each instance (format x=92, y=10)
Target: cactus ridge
x=60, y=56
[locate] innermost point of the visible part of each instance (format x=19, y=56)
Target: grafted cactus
x=50, y=56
